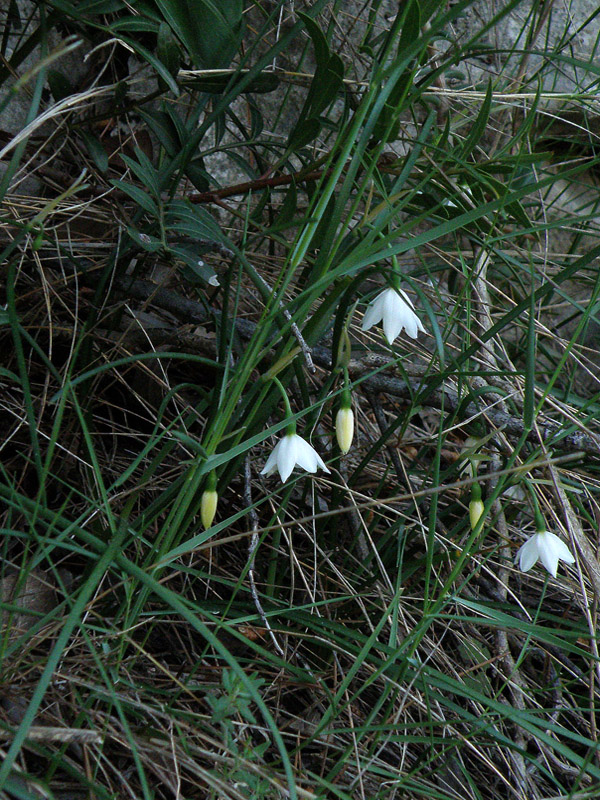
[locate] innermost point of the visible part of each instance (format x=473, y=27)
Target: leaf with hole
x=194, y=268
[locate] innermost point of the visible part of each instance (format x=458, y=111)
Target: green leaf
x=325, y=85
x=95, y=149
x=198, y=175
x=154, y=62
x=411, y=27
x=139, y=196
x=166, y=126
x=196, y=269
x=193, y=221
x=288, y=207
x=210, y=31
x=168, y=49
x=143, y=169
x=59, y=84
x=135, y=25
x=149, y=243
x=478, y=126
x=216, y=84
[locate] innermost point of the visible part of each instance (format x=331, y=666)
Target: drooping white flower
x=292, y=450
x=344, y=428
x=395, y=308
x=548, y=548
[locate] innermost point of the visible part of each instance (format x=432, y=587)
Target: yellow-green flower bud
x=344, y=428
x=476, y=506
x=209, y=500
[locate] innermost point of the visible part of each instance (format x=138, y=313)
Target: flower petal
x=287, y=457
x=528, y=554
x=406, y=299
x=306, y=456
x=322, y=464
x=393, y=315
x=563, y=551
x=411, y=325
x=271, y=465
x=391, y=328
x=411, y=321
x=373, y=314
x=551, y=549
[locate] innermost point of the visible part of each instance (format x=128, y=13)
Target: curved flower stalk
x=394, y=309
x=546, y=547
x=290, y=451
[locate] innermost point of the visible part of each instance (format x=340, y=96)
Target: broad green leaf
x=210, y=30
x=411, y=27
x=144, y=170
x=95, y=149
x=168, y=49
x=149, y=243
x=141, y=198
x=217, y=83
x=196, y=269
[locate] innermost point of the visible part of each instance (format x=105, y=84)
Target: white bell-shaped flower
x=548, y=548
x=290, y=451
x=395, y=309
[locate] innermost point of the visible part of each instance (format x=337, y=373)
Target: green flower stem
x=291, y=428
x=540, y=522
x=346, y=397
x=395, y=274
x=211, y=482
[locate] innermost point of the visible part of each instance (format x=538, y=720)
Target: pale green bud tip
x=476, y=505
x=475, y=511
x=344, y=428
x=208, y=507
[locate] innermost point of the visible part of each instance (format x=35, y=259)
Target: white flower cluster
x=395, y=310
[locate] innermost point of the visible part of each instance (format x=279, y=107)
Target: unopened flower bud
x=344, y=428
x=209, y=500
x=476, y=506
